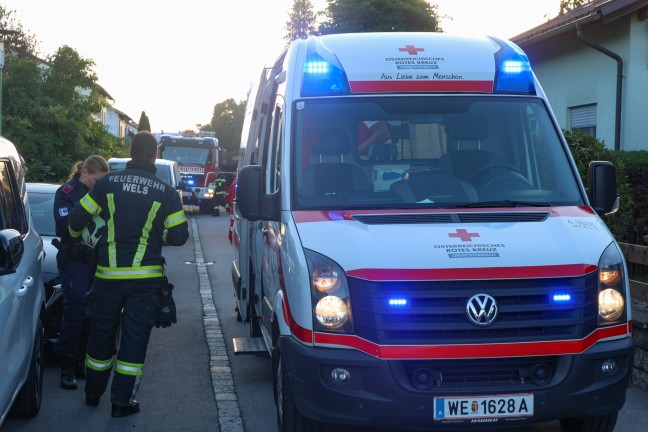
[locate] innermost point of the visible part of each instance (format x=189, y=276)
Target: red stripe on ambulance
x=423, y=86
x=392, y=352
x=474, y=273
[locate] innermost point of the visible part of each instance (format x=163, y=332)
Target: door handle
x=27, y=282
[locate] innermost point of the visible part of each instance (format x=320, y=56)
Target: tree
x=227, y=122
x=569, y=5
x=50, y=113
x=17, y=40
x=144, y=124
x=301, y=21
x=349, y=16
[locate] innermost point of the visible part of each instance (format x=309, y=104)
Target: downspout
x=619, y=82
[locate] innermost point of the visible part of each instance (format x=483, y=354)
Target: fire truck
x=198, y=158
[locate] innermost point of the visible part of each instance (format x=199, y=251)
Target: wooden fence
x=636, y=256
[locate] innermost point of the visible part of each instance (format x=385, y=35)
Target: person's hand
x=166, y=314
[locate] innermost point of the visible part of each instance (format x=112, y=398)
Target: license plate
x=467, y=407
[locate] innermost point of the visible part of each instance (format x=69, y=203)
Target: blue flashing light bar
x=323, y=73
x=513, y=70
x=562, y=298
x=190, y=181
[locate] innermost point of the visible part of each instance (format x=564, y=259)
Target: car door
x=20, y=289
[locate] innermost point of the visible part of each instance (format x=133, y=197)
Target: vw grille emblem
x=481, y=309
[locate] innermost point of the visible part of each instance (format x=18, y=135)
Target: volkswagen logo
x=481, y=309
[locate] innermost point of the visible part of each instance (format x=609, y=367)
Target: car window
x=10, y=216
x=42, y=208
x=163, y=171
x=115, y=166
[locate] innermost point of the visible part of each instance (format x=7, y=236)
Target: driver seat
x=331, y=174
x=464, y=163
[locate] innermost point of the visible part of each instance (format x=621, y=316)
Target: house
x=593, y=66
x=116, y=122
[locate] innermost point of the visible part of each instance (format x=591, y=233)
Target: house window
x=582, y=119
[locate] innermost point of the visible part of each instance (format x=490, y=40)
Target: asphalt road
x=192, y=381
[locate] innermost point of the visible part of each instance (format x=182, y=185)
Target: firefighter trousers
x=121, y=315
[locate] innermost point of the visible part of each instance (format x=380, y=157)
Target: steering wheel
x=495, y=175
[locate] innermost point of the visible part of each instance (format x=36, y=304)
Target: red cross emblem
x=463, y=234
x=411, y=50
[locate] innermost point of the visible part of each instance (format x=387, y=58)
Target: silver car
x=41, y=201
x=22, y=294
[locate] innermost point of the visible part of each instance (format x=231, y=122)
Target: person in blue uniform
x=76, y=264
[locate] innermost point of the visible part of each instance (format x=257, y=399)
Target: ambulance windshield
x=421, y=151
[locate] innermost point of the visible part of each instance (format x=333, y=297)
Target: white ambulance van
x=415, y=247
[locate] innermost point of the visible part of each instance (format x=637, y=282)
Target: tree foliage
x=17, y=40
x=569, y=5
x=227, y=122
x=359, y=16
x=144, y=123
x=49, y=112
x=301, y=21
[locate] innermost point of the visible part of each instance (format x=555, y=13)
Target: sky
x=177, y=62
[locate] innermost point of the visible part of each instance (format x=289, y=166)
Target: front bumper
x=378, y=394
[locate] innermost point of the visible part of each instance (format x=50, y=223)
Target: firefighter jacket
x=142, y=213
x=66, y=197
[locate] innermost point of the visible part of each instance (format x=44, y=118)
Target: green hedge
x=586, y=149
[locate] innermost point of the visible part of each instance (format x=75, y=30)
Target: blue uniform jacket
x=66, y=197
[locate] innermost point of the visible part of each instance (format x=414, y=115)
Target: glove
x=166, y=314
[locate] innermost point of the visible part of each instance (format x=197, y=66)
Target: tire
x=28, y=401
x=289, y=419
x=604, y=423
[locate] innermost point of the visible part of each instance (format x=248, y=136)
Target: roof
x=603, y=11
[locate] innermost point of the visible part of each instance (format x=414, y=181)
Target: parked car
x=22, y=294
x=167, y=170
x=41, y=201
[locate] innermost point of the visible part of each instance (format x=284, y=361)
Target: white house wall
x=112, y=123
x=574, y=74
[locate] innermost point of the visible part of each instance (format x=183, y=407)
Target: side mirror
x=182, y=185
x=12, y=248
x=251, y=201
x=602, y=187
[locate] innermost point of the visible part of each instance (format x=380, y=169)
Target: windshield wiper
x=501, y=203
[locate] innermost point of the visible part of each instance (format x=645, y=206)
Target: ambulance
x=415, y=247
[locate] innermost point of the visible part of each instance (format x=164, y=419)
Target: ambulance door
x=249, y=155
x=257, y=229
x=269, y=238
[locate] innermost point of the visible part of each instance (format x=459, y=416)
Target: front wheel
x=289, y=419
x=28, y=401
x=604, y=423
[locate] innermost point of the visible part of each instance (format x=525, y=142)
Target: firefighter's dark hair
x=144, y=146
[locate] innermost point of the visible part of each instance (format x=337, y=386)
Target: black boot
x=68, y=364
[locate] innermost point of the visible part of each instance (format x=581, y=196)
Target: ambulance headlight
x=611, y=286
x=329, y=294
x=326, y=279
x=331, y=311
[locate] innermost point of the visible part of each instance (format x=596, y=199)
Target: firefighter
x=142, y=213
x=76, y=265
x=220, y=193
